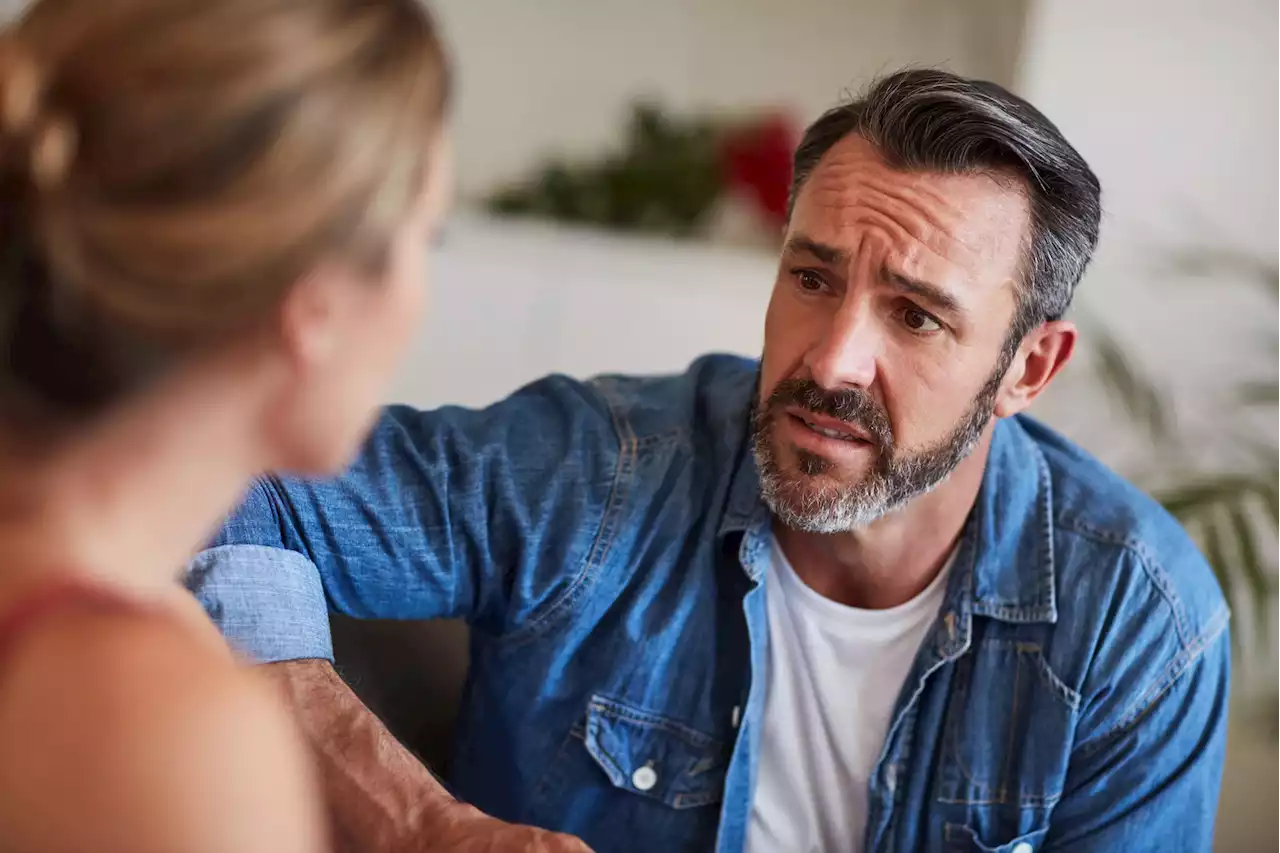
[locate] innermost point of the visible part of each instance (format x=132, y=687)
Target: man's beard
x=799, y=501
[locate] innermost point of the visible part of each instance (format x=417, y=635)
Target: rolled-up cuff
x=268, y=602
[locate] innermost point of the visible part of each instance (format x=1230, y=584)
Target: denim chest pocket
x=627, y=768
x=654, y=756
x=1007, y=739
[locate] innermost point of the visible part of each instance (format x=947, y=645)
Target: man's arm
x=451, y=513
x=1151, y=783
x=382, y=799
x=444, y=514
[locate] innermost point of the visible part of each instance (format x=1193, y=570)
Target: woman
x=213, y=218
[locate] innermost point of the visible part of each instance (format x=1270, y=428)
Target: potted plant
x=1231, y=510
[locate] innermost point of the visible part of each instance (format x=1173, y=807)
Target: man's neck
x=892, y=560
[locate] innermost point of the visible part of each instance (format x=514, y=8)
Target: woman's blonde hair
x=169, y=168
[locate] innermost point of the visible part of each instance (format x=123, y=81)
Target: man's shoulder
x=712, y=396
x=1116, y=547
x=714, y=391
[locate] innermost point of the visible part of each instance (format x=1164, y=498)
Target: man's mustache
x=852, y=405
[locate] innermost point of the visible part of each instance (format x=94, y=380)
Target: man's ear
x=1043, y=352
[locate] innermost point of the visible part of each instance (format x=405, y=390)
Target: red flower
x=756, y=159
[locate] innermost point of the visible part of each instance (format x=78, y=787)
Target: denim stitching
x=1002, y=798
x=1169, y=676
x=1009, y=744
x=593, y=747
x=1046, y=532
x=1065, y=692
x=1159, y=578
x=957, y=841
x=962, y=838
x=1046, y=606
x=1025, y=801
x=1060, y=688
x=690, y=801
x=614, y=709
x=540, y=623
x=604, y=708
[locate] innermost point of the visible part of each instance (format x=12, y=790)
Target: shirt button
x=1022, y=847
x=646, y=777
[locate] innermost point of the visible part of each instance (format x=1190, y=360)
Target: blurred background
x=622, y=167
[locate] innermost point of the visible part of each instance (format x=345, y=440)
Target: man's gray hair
x=934, y=121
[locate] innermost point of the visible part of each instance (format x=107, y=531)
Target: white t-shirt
x=833, y=679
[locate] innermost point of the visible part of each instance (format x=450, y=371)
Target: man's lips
x=829, y=427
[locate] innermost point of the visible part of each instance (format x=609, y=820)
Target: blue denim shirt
x=607, y=542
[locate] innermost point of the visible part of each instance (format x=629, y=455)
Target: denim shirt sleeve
x=1146, y=773
x=448, y=513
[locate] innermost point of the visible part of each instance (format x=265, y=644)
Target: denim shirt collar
x=1004, y=568
x=746, y=513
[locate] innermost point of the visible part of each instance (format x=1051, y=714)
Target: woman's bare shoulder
x=126, y=731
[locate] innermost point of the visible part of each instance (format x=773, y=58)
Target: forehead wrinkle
x=972, y=218
x=919, y=213
x=852, y=165
x=879, y=223
x=985, y=221
x=926, y=216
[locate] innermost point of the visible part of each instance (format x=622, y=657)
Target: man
x=847, y=599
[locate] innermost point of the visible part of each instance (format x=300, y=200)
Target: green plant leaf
x=1192, y=498
x=1219, y=508
x=1267, y=275
x=1212, y=546
x=1127, y=385
x=1218, y=513
x=1200, y=262
x=1211, y=540
x=1259, y=393
x=1255, y=572
x=1269, y=492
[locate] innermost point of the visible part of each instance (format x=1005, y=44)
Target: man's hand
x=380, y=797
x=476, y=832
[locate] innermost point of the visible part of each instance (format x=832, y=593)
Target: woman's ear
x=311, y=318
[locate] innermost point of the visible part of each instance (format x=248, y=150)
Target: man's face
x=886, y=336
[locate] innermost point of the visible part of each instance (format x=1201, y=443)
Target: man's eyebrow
x=926, y=291
x=823, y=252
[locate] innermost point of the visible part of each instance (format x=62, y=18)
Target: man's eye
x=810, y=281
x=919, y=321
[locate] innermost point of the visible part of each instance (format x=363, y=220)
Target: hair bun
x=45, y=143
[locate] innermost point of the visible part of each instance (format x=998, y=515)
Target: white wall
x=1174, y=104
x=514, y=301
x=538, y=78
x=557, y=76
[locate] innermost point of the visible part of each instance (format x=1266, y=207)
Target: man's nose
x=845, y=357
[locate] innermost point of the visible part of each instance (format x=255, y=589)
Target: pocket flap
x=655, y=756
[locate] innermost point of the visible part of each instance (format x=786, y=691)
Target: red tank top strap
x=51, y=598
